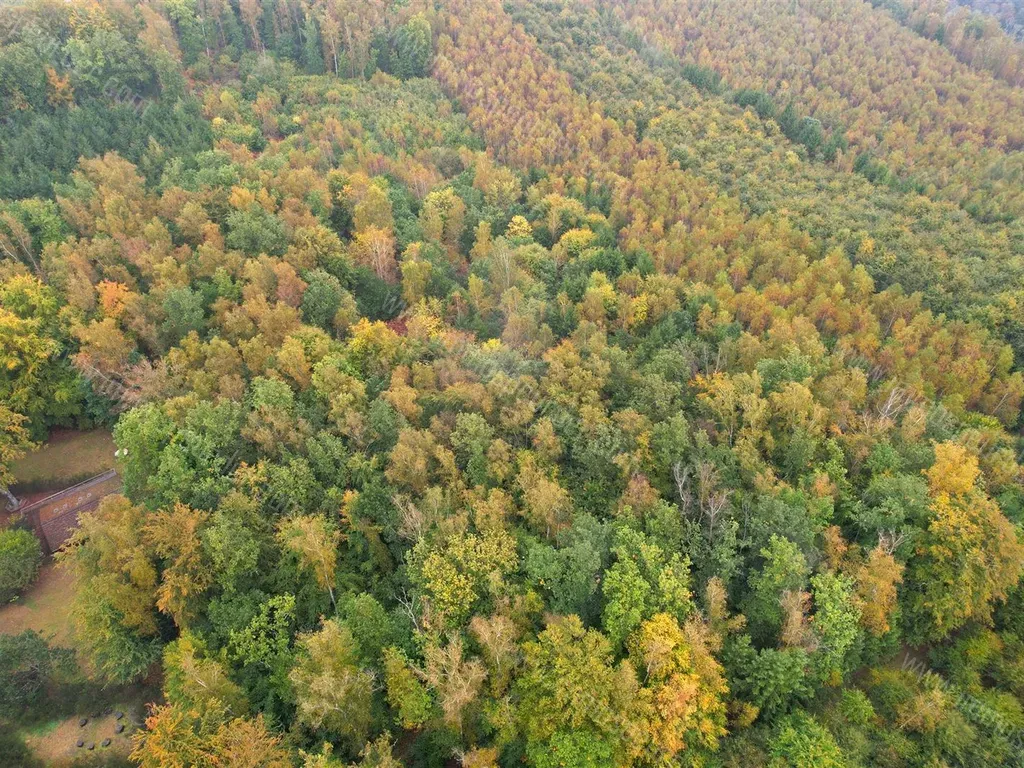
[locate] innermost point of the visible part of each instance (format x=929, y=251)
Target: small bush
x=14, y=750
x=20, y=555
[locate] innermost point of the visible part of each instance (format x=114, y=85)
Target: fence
x=55, y=518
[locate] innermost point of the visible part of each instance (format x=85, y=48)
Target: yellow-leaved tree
x=970, y=555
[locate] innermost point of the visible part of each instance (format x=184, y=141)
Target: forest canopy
x=571, y=383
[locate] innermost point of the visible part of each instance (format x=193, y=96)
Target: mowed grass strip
x=68, y=457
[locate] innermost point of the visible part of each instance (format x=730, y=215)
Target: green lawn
x=68, y=457
x=45, y=606
x=53, y=739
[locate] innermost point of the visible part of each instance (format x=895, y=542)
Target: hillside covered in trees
x=555, y=383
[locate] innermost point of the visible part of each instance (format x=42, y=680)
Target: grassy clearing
x=53, y=737
x=66, y=458
x=44, y=608
x=56, y=742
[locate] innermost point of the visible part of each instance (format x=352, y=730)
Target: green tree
x=571, y=698
x=20, y=555
x=194, y=677
x=643, y=581
x=312, y=52
x=27, y=666
x=322, y=299
x=773, y=680
x=414, y=48
x=836, y=623
x=265, y=643
x=373, y=627
x=331, y=690
x=234, y=541
x=801, y=742
x=406, y=693
x=784, y=569
x=314, y=540
x=255, y=231
x=378, y=753
x=184, y=314
x=14, y=443
x=36, y=379
x=114, y=608
x=569, y=576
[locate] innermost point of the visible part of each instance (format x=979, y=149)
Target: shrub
x=27, y=666
x=20, y=555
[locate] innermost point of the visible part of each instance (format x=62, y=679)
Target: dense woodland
x=985, y=38
x=1009, y=14
x=570, y=383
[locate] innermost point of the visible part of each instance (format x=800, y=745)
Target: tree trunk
x=12, y=501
